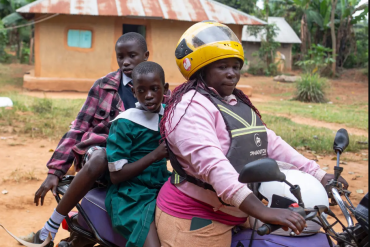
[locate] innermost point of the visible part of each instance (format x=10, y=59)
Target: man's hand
x=50, y=183
x=329, y=177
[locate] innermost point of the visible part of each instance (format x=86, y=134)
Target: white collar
x=125, y=79
x=142, y=117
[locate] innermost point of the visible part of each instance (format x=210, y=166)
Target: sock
x=52, y=225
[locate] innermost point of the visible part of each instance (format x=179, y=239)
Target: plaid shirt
x=91, y=127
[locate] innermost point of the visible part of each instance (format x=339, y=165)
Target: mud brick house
x=75, y=44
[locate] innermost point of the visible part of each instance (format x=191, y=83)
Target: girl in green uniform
x=136, y=161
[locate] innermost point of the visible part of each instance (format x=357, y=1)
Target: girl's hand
x=160, y=152
x=285, y=218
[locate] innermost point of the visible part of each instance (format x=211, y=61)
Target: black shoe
x=37, y=240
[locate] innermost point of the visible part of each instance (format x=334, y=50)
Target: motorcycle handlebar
x=342, y=206
x=267, y=229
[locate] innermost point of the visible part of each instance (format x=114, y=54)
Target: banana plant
x=9, y=17
x=345, y=40
x=8, y=9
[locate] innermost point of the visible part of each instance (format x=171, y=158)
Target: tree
x=9, y=17
x=345, y=20
x=333, y=37
x=247, y=6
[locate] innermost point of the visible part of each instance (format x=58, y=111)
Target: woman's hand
x=285, y=218
x=329, y=177
x=160, y=152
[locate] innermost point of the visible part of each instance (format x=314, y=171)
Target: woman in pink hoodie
x=212, y=130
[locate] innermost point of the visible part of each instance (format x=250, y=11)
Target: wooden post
x=30, y=58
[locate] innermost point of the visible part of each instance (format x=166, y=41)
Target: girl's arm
x=131, y=170
x=119, y=145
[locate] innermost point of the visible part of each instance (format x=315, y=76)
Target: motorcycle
x=91, y=225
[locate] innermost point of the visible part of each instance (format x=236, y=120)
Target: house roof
x=182, y=10
x=285, y=34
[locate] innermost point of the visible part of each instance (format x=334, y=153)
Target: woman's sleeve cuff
x=319, y=174
x=240, y=196
x=117, y=165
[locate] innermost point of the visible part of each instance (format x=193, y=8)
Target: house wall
x=55, y=59
x=286, y=49
x=59, y=67
x=251, y=47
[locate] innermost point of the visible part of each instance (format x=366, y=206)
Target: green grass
x=286, y=94
x=298, y=135
x=8, y=76
x=50, y=118
x=38, y=117
x=355, y=115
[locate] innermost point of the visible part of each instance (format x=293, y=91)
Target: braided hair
x=176, y=97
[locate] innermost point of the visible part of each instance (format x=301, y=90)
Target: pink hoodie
x=200, y=142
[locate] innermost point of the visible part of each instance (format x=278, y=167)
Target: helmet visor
x=213, y=34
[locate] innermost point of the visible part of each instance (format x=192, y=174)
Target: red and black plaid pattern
x=91, y=127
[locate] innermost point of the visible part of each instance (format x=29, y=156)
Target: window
x=79, y=38
x=126, y=28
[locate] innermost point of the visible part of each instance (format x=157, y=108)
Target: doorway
x=126, y=28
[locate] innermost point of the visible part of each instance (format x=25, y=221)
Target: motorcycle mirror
x=341, y=141
x=262, y=170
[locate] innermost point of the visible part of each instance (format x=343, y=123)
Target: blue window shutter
x=85, y=39
x=73, y=38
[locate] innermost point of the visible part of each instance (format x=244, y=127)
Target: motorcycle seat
x=94, y=206
x=242, y=239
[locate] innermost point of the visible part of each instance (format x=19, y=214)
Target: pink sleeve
x=196, y=144
x=278, y=149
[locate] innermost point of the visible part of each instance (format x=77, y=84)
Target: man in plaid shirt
x=85, y=142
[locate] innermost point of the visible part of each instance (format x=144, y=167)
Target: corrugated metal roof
x=285, y=34
x=182, y=10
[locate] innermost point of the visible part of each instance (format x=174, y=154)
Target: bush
x=267, y=52
x=365, y=71
x=43, y=106
x=25, y=54
x=259, y=67
x=311, y=88
x=255, y=69
x=317, y=60
x=4, y=57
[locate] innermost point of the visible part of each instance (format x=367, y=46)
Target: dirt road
x=22, y=159
x=23, y=162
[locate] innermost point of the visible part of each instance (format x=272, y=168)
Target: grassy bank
x=316, y=139
x=356, y=116
x=50, y=118
x=11, y=76
x=38, y=117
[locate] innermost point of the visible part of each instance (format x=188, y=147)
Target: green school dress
x=131, y=204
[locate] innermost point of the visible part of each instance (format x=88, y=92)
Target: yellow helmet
x=204, y=43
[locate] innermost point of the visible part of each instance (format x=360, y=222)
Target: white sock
x=52, y=225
